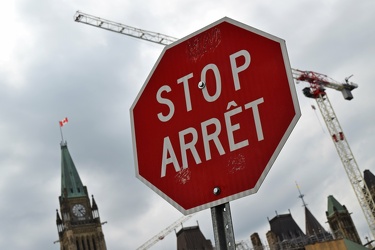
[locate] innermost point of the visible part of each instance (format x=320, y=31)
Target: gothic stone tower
x=255, y=240
x=340, y=221
x=79, y=226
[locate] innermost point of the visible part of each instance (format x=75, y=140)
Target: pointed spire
x=59, y=223
x=71, y=184
x=313, y=227
x=94, y=209
x=58, y=219
x=94, y=206
x=333, y=206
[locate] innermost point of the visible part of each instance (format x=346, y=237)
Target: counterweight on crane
x=318, y=82
x=316, y=90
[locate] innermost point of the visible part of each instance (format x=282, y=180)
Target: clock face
x=79, y=210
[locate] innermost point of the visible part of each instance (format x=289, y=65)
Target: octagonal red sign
x=213, y=115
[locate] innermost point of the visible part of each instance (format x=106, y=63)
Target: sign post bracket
x=223, y=227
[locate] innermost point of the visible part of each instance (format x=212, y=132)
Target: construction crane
x=164, y=233
x=317, y=90
x=318, y=82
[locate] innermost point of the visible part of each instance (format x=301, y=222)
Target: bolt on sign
x=213, y=115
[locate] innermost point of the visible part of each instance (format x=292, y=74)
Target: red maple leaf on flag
x=63, y=121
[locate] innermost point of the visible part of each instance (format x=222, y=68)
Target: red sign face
x=213, y=115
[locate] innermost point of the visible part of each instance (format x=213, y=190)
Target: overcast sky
x=52, y=67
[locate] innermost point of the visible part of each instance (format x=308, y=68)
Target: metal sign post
x=223, y=227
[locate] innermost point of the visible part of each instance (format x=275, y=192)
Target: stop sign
x=213, y=115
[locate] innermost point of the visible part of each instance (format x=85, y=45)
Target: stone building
x=191, y=238
x=285, y=233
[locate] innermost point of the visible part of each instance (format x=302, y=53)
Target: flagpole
x=62, y=138
x=61, y=123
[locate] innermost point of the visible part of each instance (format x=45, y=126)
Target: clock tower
x=79, y=226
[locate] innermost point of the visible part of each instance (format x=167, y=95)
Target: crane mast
x=316, y=90
x=318, y=82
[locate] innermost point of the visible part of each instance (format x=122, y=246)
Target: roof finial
x=301, y=195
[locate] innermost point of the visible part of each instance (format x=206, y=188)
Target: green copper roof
x=334, y=205
x=70, y=180
x=350, y=245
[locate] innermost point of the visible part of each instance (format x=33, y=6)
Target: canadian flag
x=63, y=121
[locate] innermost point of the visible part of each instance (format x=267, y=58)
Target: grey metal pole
x=223, y=227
